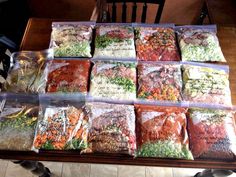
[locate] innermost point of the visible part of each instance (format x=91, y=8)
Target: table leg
x=35, y=167
x=214, y=173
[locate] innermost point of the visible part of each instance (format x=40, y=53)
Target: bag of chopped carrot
x=161, y=132
x=212, y=133
x=62, y=123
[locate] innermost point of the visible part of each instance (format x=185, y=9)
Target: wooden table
x=37, y=36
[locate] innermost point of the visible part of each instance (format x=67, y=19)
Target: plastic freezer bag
x=159, y=81
x=112, y=128
x=62, y=123
x=113, y=80
x=71, y=39
x=161, y=132
x=114, y=42
x=68, y=76
x=28, y=73
x=156, y=43
x=212, y=133
x=199, y=43
x=203, y=84
x=18, y=119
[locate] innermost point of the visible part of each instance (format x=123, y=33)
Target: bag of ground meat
x=18, y=119
x=212, y=133
x=199, y=43
x=159, y=81
x=161, y=132
x=156, y=42
x=113, y=80
x=68, y=76
x=114, y=42
x=207, y=84
x=112, y=128
x=71, y=39
x=62, y=123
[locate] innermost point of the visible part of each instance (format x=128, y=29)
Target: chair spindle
x=160, y=8
x=134, y=11
x=124, y=7
x=144, y=13
x=113, y=12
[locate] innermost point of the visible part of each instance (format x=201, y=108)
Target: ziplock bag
x=62, y=123
x=68, y=76
x=112, y=128
x=114, y=41
x=212, y=133
x=161, y=132
x=28, y=73
x=199, y=43
x=156, y=42
x=18, y=119
x=113, y=80
x=206, y=84
x=159, y=81
x=71, y=39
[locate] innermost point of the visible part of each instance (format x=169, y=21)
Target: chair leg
x=214, y=173
x=204, y=13
x=37, y=168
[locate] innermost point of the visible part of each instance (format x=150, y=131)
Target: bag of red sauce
x=212, y=133
x=161, y=132
x=68, y=76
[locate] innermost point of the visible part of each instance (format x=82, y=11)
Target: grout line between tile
x=117, y=174
x=145, y=171
x=62, y=169
x=90, y=170
x=6, y=169
x=173, y=175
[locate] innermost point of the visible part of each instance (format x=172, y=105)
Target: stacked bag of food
x=134, y=96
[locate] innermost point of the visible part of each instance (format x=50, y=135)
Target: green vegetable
x=165, y=149
x=104, y=41
x=127, y=65
x=127, y=84
x=48, y=145
x=74, y=49
x=200, y=49
x=76, y=144
x=21, y=122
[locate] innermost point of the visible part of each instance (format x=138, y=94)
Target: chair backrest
x=113, y=3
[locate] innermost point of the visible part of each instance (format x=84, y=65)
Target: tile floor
x=9, y=169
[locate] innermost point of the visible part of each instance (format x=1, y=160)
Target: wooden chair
x=101, y=11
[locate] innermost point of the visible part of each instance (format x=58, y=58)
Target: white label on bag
x=150, y=115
